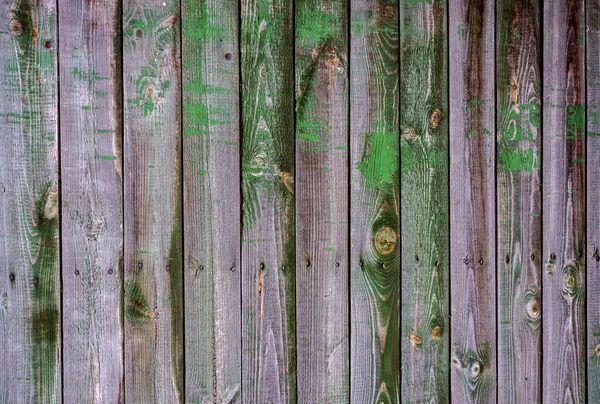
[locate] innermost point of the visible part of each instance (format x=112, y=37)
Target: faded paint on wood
x=212, y=200
x=563, y=279
x=322, y=271
x=375, y=207
x=29, y=202
x=153, y=301
x=593, y=200
x=518, y=197
x=424, y=114
x=92, y=198
x=268, y=239
x=472, y=202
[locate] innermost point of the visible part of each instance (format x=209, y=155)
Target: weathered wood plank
x=563, y=281
x=425, y=211
x=268, y=249
x=375, y=187
x=92, y=198
x=212, y=200
x=472, y=202
x=593, y=199
x=322, y=201
x=519, y=242
x=29, y=222
x=153, y=203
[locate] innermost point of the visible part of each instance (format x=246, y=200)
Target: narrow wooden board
x=518, y=196
x=153, y=301
x=322, y=272
x=29, y=204
x=212, y=202
x=268, y=239
x=424, y=117
x=472, y=202
x=375, y=203
x=563, y=204
x=92, y=199
x=593, y=199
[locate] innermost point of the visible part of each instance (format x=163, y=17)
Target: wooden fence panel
x=563, y=204
x=212, y=203
x=29, y=201
x=518, y=196
x=424, y=117
x=92, y=199
x=375, y=203
x=153, y=301
x=322, y=271
x=472, y=202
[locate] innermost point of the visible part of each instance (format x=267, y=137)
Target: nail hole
x=35, y=280
x=283, y=267
x=552, y=257
x=139, y=33
x=337, y=264
x=76, y=272
x=262, y=266
x=437, y=263
x=167, y=268
x=202, y=267
x=417, y=258
x=110, y=271
x=307, y=263
x=232, y=269
x=140, y=265
x=361, y=263
x=481, y=261
x=11, y=277
x=466, y=261
x=382, y=265
x=532, y=257
x=507, y=259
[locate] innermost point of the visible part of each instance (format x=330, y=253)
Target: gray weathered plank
x=153, y=301
x=322, y=272
x=424, y=114
x=212, y=200
x=563, y=279
x=593, y=199
x=268, y=239
x=519, y=243
x=472, y=202
x=375, y=187
x=92, y=198
x=30, y=368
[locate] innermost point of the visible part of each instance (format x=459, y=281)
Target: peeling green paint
x=518, y=161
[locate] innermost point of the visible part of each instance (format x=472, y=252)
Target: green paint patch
x=106, y=157
x=380, y=161
x=143, y=252
x=309, y=136
x=90, y=108
x=202, y=172
x=90, y=75
x=518, y=161
x=106, y=131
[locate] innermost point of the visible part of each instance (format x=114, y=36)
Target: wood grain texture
x=424, y=116
x=563, y=204
x=212, y=201
x=518, y=196
x=92, y=197
x=375, y=203
x=268, y=239
x=472, y=202
x=593, y=199
x=29, y=202
x=322, y=272
x=153, y=301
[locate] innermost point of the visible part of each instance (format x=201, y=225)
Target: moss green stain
x=137, y=309
x=380, y=160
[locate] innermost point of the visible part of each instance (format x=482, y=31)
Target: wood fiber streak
x=321, y=192
x=212, y=205
x=92, y=197
x=472, y=202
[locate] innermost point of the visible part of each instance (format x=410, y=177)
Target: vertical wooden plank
x=592, y=9
x=322, y=272
x=425, y=212
x=563, y=202
x=212, y=200
x=518, y=99
x=472, y=202
x=92, y=198
x=375, y=202
x=29, y=202
x=268, y=249
x=153, y=202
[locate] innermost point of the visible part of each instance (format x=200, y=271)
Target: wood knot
x=597, y=351
x=436, y=333
x=533, y=308
x=409, y=134
x=436, y=118
x=385, y=241
x=475, y=369
x=389, y=12
x=16, y=27
x=288, y=181
x=414, y=340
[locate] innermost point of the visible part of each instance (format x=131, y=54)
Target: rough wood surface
x=321, y=193
x=153, y=302
x=268, y=239
x=564, y=203
x=375, y=207
x=593, y=200
x=212, y=200
x=92, y=198
x=424, y=115
x=518, y=195
x=30, y=285
x=472, y=202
